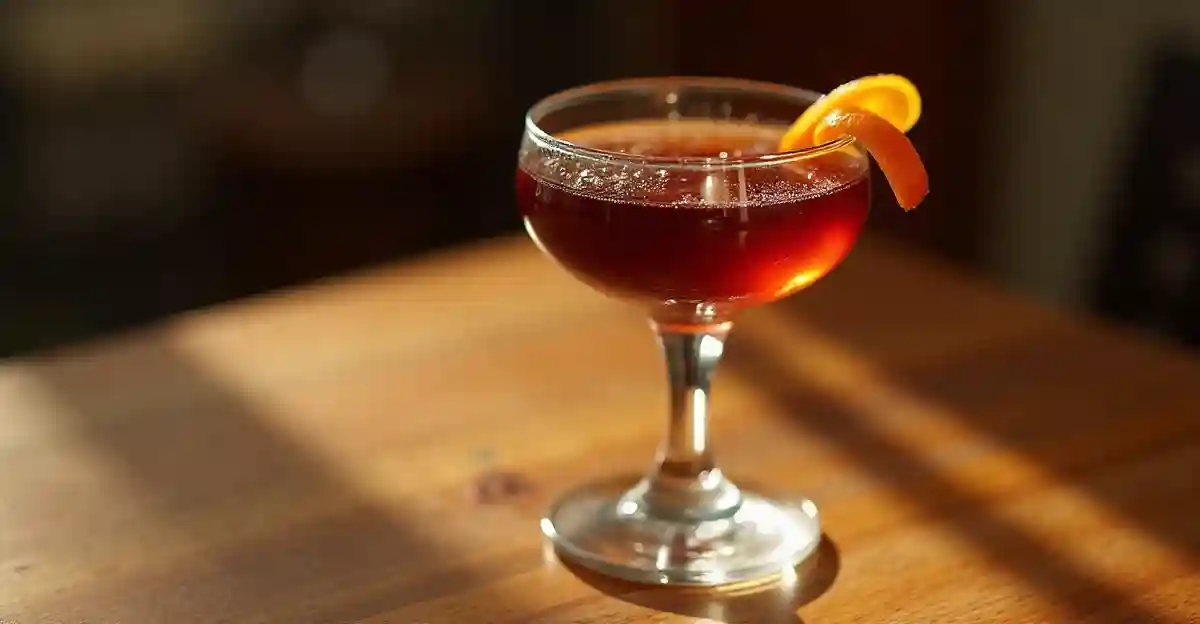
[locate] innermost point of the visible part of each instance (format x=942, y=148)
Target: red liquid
x=688, y=236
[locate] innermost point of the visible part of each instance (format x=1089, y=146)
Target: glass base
x=595, y=527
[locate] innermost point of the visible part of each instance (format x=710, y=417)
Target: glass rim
x=554, y=101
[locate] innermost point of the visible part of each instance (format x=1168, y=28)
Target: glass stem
x=685, y=484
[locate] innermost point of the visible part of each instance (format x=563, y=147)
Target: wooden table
x=378, y=448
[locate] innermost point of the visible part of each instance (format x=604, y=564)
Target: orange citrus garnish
x=876, y=111
x=893, y=152
x=892, y=97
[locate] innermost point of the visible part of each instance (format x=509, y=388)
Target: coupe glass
x=629, y=186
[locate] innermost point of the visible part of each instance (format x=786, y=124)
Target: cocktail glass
x=667, y=193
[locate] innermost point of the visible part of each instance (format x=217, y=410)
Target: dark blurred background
x=159, y=155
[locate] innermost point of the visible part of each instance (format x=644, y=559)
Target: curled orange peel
x=876, y=111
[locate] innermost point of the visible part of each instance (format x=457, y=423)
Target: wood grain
x=378, y=448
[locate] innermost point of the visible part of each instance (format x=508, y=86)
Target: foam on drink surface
x=712, y=178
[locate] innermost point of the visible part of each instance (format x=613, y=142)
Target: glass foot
x=591, y=527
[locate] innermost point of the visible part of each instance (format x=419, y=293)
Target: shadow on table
x=972, y=387
x=278, y=537
x=775, y=602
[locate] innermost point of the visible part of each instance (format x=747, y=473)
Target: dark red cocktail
x=724, y=234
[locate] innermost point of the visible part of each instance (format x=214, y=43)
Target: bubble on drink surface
x=716, y=175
